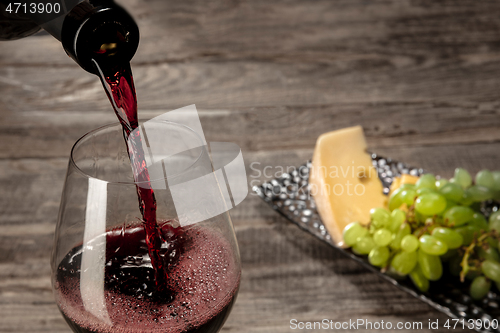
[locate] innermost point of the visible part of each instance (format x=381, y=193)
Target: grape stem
x=465, y=260
x=425, y=228
x=469, y=250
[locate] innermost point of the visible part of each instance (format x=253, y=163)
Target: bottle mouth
x=108, y=35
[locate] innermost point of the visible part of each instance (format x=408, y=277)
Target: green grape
x=404, y=262
x=450, y=237
x=468, y=232
x=363, y=245
x=398, y=236
x=425, y=190
x=462, y=177
x=449, y=204
x=397, y=219
x=466, y=200
x=431, y=266
x=382, y=237
x=395, y=200
x=494, y=216
x=454, y=266
x=428, y=181
x=380, y=217
x=479, y=221
x=496, y=180
x=492, y=242
x=477, y=193
x=488, y=254
x=491, y=269
x=452, y=191
x=430, y=204
x=441, y=182
x=479, y=287
x=432, y=245
x=418, y=278
x=378, y=256
x=352, y=232
x=485, y=178
x=408, y=196
x=458, y=215
x=409, y=243
x=495, y=225
x=494, y=221
x=395, y=274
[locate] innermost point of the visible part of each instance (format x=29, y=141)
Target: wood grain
x=259, y=53
x=241, y=83
x=421, y=77
x=43, y=134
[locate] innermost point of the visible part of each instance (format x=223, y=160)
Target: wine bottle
x=89, y=30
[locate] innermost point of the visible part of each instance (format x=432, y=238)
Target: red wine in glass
x=202, y=276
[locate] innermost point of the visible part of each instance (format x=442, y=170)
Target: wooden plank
x=278, y=53
x=310, y=293
x=48, y=134
x=26, y=299
x=377, y=33
x=235, y=84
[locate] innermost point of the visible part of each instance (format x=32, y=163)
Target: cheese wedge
x=343, y=181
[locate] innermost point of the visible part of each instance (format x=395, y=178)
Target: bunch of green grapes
x=435, y=222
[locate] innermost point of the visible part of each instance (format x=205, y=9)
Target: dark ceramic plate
x=289, y=196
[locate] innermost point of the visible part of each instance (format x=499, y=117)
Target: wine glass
x=102, y=274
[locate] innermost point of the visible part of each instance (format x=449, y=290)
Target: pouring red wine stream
x=119, y=86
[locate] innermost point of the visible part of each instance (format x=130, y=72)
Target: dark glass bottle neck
x=99, y=30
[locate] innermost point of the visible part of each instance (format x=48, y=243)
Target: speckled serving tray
x=289, y=196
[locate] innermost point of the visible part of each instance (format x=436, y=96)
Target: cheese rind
x=343, y=181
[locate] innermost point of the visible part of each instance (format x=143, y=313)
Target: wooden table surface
x=422, y=77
